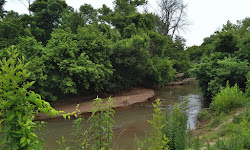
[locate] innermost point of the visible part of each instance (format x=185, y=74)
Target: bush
x=18, y=105
x=203, y=115
x=99, y=134
x=213, y=73
x=248, y=84
x=175, y=127
x=228, y=99
x=237, y=134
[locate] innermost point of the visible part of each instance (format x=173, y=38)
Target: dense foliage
x=227, y=99
x=18, y=105
x=222, y=57
x=60, y=52
x=91, y=50
x=175, y=127
x=222, y=71
x=248, y=84
x=227, y=121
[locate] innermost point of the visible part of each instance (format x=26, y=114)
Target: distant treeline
x=91, y=50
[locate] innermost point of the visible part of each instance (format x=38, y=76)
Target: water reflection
x=132, y=121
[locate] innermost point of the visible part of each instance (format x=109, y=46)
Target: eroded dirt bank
x=136, y=95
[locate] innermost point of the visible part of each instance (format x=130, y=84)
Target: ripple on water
x=134, y=119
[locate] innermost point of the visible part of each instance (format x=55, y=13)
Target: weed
x=101, y=123
x=204, y=115
x=228, y=99
x=175, y=127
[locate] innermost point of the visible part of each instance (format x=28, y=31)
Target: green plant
x=248, y=84
x=228, y=99
x=204, y=115
x=215, y=121
x=78, y=134
x=175, y=127
x=99, y=134
x=213, y=73
x=101, y=123
x=157, y=139
x=197, y=143
x=18, y=105
x=62, y=144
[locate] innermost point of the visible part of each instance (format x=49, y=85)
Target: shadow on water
x=132, y=121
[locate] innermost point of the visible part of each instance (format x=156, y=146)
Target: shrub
x=157, y=139
x=175, y=127
x=101, y=124
x=18, y=105
x=237, y=134
x=248, y=84
x=203, y=115
x=228, y=99
x=213, y=73
x=99, y=134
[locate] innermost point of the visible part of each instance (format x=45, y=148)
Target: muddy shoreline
x=136, y=95
x=126, y=98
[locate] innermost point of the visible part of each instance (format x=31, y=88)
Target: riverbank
x=123, y=99
x=136, y=95
x=132, y=119
x=224, y=128
x=183, y=82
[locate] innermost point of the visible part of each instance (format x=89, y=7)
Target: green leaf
x=52, y=112
x=28, y=141
x=64, y=116
x=23, y=139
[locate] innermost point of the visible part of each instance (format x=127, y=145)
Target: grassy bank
x=226, y=123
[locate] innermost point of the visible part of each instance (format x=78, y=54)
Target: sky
x=205, y=16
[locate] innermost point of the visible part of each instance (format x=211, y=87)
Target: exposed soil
x=183, y=82
x=136, y=95
x=126, y=98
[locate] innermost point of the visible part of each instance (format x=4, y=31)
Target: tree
x=127, y=7
x=195, y=53
x=126, y=17
x=213, y=73
x=135, y=66
x=172, y=17
x=225, y=57
x=69, y=66
x=226, y=42
x=47, y=16
x=104, y=13
x=11, y=28
x=73, y=20
x=89, y=13
x=2, y=2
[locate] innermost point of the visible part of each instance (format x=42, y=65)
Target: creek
x=131, y=121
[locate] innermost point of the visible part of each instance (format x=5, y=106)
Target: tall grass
x=228, y=99
x=169, y=129
x=156, y=139
x=175, y=127
x=99, y=134
x=238, y=134
x=248, y=84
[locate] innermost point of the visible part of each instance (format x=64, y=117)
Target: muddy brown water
x=131, y=121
